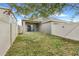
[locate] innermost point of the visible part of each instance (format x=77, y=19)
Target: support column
x=24, y=27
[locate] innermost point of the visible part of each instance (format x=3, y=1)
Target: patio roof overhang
x=31, y=22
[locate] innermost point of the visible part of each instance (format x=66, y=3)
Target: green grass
x=39, y=44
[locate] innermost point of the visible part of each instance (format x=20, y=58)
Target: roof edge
x=10, y=10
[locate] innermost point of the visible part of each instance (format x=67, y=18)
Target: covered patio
x=30, y=26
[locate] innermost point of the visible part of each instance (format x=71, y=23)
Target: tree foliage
x=41, y=9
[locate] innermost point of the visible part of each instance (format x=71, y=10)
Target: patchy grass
x=39, y=44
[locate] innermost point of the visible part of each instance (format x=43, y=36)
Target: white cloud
x=62, y=15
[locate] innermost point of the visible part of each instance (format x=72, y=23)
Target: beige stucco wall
x=70, y=30
x=45, y=27
x=8, y=31
x=20, y=29
x=24, y=27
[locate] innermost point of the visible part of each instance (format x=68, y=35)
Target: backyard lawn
x=39, y=44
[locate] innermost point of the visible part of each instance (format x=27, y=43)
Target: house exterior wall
x=24, y=26
x=20, y=29
x=8, y=31
x=66, y=30
x=45, y=27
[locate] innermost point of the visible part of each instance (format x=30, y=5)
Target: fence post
x=10, y=33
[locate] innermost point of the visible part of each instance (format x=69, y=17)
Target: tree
x=42, y=9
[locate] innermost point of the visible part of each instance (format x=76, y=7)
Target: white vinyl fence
x=64, y=29
x=8, y=31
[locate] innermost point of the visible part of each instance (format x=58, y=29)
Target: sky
x=63, y=16
x=19, y=18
